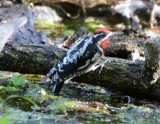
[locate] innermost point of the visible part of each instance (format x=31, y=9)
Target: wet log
x=31, y=58
x=125, y=75
x=28, y=58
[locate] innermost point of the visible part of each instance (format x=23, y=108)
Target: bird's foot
x=105, y=61
x=101, y=68
x=50, y=85
x=42, y=81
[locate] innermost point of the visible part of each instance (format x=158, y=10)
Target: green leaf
x=4, y=120
x=17, y=79
x=8, y=88
x=21, y=97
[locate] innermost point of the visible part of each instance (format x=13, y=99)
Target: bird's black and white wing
x=78, y=58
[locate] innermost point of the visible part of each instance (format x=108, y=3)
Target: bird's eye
x=105, y=34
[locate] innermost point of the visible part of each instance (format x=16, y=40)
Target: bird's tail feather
x=51, y=72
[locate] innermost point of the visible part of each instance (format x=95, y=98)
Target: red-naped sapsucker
x=82, y=57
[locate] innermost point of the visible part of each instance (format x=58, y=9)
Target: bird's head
x=102, y=35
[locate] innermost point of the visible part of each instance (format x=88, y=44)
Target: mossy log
x=39, y=59
x=25, y=58
x=125, y=75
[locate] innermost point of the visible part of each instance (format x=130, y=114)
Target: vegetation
x=23, y=100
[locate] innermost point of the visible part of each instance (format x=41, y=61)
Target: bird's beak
x=110, y=34
x=106, y=40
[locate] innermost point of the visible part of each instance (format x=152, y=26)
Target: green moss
x=67, y=27
x=138, y=115
x=62, y=105
x=17, y=79
x=37, y=93
x=39, y=58
x=42, y=24
x=8, y=88
x=12, y=55
x=4, y=120
x=33, y=77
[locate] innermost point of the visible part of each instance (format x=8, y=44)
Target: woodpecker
x=82, y=57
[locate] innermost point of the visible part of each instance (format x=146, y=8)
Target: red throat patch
x=104, y=43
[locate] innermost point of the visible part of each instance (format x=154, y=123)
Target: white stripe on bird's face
x=110, y=34
x=107, y=36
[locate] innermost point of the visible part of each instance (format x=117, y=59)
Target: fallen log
x=26, y=58
x=31, y=58
x=125, y=75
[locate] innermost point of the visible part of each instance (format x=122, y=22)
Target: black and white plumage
x=81, y=58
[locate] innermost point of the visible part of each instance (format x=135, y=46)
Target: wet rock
x=8, y=29
x=45, y=14
x=26, y=34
